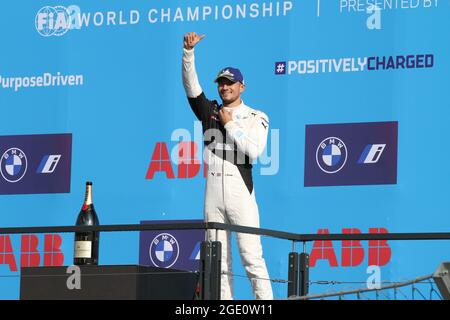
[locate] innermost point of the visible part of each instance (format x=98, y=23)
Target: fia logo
x=56, y=21
x=331, y=155
x=13, y=165
x=164, y=250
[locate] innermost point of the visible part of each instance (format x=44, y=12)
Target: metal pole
x=210, y=270
x=205, y=270
x=293, y=273
x=216, y=269
x=304, y=272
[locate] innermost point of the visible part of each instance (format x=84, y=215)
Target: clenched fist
x=191, y=39
x=225, y=116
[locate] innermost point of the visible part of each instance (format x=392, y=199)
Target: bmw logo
x=13, y=165
x=164, y=250
x=331, y=155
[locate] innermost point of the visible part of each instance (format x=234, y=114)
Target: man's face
x=229, y=91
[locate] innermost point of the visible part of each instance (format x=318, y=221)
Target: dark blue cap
x=230, y=73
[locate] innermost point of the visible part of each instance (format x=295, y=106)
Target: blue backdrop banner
x=356, y=92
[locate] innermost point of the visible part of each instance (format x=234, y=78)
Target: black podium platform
x=124, y=282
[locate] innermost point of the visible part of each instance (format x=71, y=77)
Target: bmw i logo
x=164, y=250
x=13, y=165
x=331, y=155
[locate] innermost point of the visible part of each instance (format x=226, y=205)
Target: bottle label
x=83, y=249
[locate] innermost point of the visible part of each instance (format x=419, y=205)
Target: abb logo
x=29, y=253
x=352, y=252
x=188, y=165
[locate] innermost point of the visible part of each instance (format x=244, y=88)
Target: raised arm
x=190, y=79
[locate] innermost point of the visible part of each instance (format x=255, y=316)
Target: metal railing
x=295, y=237
x=359, y=292
x=298, y=273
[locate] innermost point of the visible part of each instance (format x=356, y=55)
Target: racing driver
x=234, y=135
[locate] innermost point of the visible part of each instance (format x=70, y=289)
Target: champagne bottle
x=87, y=243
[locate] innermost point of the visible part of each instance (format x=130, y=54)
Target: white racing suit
x=230, y=197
